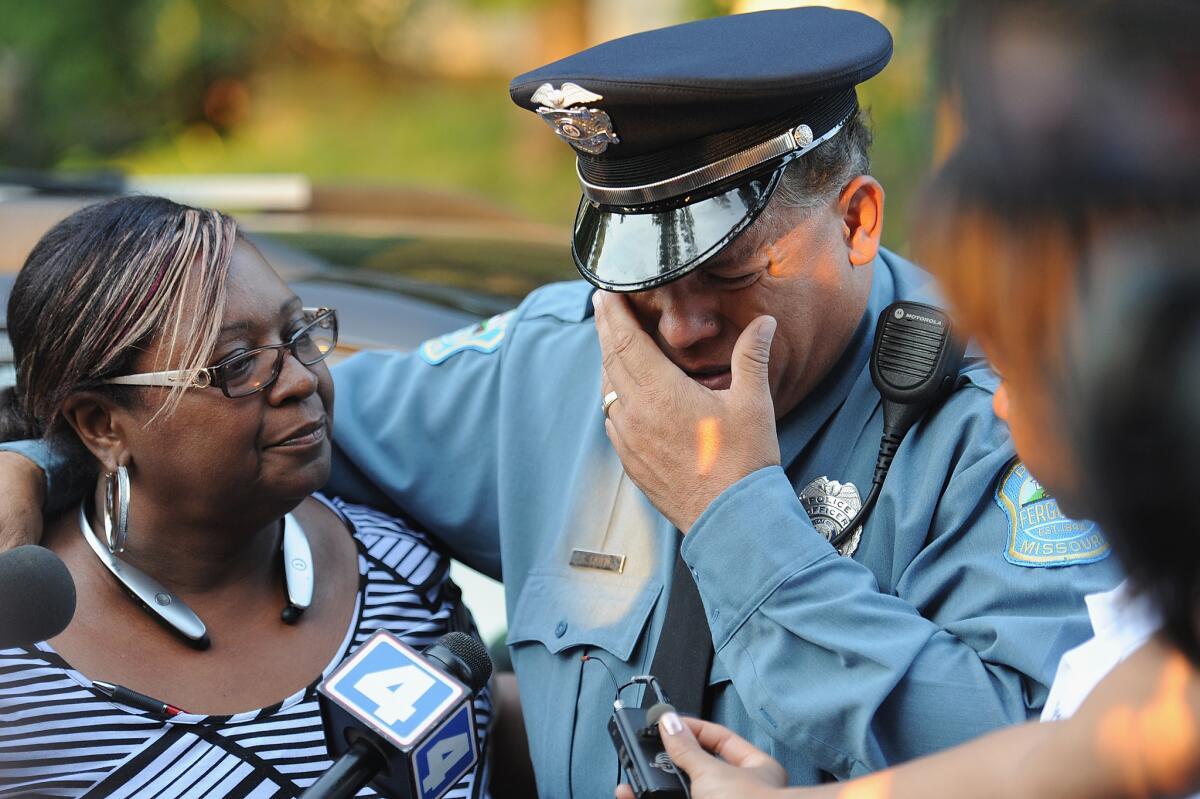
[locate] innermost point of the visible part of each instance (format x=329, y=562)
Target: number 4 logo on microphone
x=396, y=691
x=392, y=689
x=446, y=755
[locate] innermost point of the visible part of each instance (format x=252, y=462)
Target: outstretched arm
x=21, y=502
x=1136, y=735
x=720, y=764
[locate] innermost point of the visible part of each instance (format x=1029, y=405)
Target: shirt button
x=560, y=630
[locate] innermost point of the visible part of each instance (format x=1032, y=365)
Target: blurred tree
x=391, y=91
x=96, y=77
x=82, y=80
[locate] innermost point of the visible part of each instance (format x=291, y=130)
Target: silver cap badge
x=831, y=505
x=803, y=135
x=586, y=129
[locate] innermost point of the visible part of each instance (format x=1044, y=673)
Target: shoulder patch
x=484, y=336
x=1040, y=535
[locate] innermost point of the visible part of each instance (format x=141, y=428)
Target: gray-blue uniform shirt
x=944, y=624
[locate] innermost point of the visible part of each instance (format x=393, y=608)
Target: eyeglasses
x=255, y=370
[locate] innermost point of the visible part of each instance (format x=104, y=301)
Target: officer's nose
x=682, y=311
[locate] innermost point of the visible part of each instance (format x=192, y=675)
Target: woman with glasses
x=158, y=351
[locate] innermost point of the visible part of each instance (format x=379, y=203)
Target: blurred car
x=401, y=267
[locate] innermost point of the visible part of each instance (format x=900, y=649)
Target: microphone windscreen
x=656, y=712
x=37, y=596
x=471, y=652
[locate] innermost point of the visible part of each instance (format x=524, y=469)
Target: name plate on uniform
x=587, y=559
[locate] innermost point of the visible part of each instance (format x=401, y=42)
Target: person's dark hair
x=1080, y=125
x=817, y=177
x=1075, y=106
x=1135, y=384
x=96, y=289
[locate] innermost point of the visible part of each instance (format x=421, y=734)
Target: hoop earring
x=116, y=509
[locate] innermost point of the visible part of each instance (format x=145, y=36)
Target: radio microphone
x=37, y=596
x=634, y=732
x=402, y=719
x=914, y=365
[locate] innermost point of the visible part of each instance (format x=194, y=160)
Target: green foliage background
x=308, y=86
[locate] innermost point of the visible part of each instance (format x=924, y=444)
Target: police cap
x=681, y=133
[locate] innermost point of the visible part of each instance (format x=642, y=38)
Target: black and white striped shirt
x=59, y=736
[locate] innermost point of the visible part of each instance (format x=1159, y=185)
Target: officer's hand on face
x=681, y=443
x=21, y=503
x=741, y=771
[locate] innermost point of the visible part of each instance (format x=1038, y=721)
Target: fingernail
x=766, y=330
x=597, y=299
x=670, y=723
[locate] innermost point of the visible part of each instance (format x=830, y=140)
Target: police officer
x=733, y=231
x=724, y=176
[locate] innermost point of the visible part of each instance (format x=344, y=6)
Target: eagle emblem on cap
x=586, y=129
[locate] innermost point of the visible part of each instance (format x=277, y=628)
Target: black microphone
x=640, y=752
x=402, y=719
x=37, y=596
x=914, y=365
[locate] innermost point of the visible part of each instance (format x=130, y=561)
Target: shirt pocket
x=561, y=611
x=566, y=702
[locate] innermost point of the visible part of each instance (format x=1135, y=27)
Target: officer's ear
x=861, y=207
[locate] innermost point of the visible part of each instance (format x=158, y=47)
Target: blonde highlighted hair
x=103, y=285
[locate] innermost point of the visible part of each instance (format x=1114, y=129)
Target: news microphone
x=37, y=596
x=914, y=365
x=401, y=719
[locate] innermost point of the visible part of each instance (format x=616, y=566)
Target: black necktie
x=684, y=655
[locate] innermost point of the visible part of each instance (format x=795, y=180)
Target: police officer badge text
x=1040, y=534
x=831, y=506
x=425, y=714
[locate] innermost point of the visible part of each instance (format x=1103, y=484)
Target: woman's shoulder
x=1156, y=678
x=1134, y=735
x=395, y=543
x=367, y=523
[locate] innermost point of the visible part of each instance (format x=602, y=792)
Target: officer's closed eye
x=731, y=281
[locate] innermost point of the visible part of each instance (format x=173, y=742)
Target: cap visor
x=623, y=249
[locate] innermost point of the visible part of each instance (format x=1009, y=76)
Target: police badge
x=586, y=129
x=831, y=506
